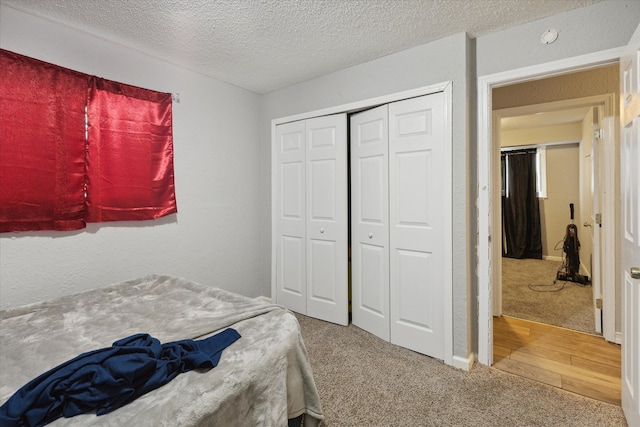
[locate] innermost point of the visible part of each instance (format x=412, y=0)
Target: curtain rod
x=547, y=144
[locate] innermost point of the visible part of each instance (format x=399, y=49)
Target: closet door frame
x=446, y=89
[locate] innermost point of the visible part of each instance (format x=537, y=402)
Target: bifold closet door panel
x=369, y=221
x=290, y=216
x=327, y=216
x=418, y=168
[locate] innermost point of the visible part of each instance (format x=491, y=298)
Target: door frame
x=446, y=88
x=488, y=248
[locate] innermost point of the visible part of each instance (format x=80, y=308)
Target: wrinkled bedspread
x=261, y=380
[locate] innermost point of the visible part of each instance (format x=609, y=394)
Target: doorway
x=561, y=128
x=557, y=118
x=489, y=250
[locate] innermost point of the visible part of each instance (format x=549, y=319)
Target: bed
x=262, y=379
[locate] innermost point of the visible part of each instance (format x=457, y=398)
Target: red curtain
x=129, y=153
x=42, y=144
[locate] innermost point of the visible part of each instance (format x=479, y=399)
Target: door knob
x=370, y=235
x=587, y=224
x=635, y=272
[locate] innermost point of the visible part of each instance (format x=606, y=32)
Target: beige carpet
x=364, y=381
x=528, y=293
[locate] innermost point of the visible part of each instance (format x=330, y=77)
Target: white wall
x=440, y=61
x=212, y=239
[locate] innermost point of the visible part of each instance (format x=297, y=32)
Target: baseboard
x=464, y=363
x=618, y=338
x=552, y=258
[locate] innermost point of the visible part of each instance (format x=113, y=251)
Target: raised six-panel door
x=327, y=216
x=370, y=221
x=289, y=216
x=310, y=217
x=630, y=230
x=419, y=195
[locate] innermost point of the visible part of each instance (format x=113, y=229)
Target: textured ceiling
x=263, y=45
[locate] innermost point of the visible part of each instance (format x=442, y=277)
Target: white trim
x=618, y=338
x=448, y=226
x=274, y=212
x=486, y=83
x=552, y=258
x=464, y=363
x=554, y=68
x=485, y=217
x=543, y=145
x=447, y=90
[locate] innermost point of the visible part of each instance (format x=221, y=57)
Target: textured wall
x=212, y=239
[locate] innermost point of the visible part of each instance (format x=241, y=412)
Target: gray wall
x=599, y=27
x=447, y=59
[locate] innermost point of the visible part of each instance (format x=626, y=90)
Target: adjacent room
x=300, y=204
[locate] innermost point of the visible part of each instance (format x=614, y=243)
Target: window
x=541, y=170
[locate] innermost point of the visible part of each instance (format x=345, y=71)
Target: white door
x=419, y=201
x=590, y=207
x=630, y=230
x=369, y=221
x=596, y=230
x=327, y=216
x=289, y=216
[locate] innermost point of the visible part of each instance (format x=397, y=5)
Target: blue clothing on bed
x=106, y=379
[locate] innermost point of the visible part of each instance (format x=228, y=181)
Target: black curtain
x=520, y=206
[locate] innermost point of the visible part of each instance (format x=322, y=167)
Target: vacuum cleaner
x=568, y=271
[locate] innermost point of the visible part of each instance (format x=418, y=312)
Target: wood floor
x=577, y=362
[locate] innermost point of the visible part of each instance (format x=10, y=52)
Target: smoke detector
x=549, y=36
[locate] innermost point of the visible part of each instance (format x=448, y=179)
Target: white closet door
x=418, y=168
x=369, y=221
x=290, y=218
x=327, y=211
